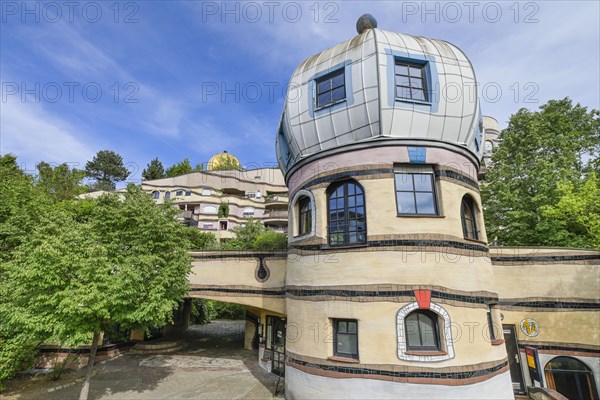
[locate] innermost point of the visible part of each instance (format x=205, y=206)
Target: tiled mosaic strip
x=240, y=255
x=448, y=173
x=387, y=293
x=574, y=349
x=402, y=243
x=552, y=304
x=515, y=259
x=264, y=292
x=349, y=370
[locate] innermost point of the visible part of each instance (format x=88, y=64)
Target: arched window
x=467, y=214
x=347, y=222
x=571, y=378
x=155, y=194
x=422, y=331
x=304, y=215
x=167, y=195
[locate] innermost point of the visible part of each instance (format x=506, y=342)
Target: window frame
x=472, y=216
x=437, y=337
x=179, y=193
x=167, y=195
x=412, y=172
x=305, y=214
x=422, y=66
x=336, y=352
x=329, y=77
x=155, y=194
x=346, y=234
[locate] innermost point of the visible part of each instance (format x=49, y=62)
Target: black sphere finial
x=366, y=21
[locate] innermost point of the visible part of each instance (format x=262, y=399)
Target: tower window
x=305, y=216
x=415, y=193
x=422, y=330
x=467, y=214
x=331, y=88
x=345, y=341
x=346, y=214
x=411, y=82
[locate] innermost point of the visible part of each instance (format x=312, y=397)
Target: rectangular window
x=205, y=192
x=490, y=320
x=415, y=193
x=331, y=88
x=207, y=226
x=345, y=338
x=179, y=193
x=305, y=222
x=411, y=81
x=188, y=192
x=251, y=195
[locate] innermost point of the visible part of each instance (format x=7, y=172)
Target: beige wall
x=236, y=272
x=380, y=267
x=309, y=332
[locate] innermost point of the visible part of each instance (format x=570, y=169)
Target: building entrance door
x=514, y=361
x=276, y=343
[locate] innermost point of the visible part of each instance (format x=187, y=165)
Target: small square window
x=179, y=193
x=415, y=193
x=411, y=81
x=188, y=192
x=331, y=88
x=345, y=341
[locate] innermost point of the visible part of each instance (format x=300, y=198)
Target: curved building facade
x=389, y=285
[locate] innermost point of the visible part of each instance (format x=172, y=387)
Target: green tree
x=270, y=240
x=154, y=170
x=200, y=240
x=575, y=219
x=182, y=168
x=539, y=152
x=226, y=164
x=223, y=211
x=75, y=277
x=60, y=182
x=107, y=169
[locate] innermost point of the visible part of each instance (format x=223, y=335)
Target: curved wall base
x=301, y=385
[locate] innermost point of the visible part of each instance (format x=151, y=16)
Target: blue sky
x=173, y=79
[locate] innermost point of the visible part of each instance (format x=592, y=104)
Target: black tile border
x=399, y=374
x=554, y=304
x=438, y=173
x=262, y=292
x=559, y=348
x=557, y=258
x=420, y=243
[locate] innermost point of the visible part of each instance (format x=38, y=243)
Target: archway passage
x=571, y=378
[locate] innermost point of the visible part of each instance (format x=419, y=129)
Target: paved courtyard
x=212, y=365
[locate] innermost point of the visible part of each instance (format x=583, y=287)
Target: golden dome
x=223, y=161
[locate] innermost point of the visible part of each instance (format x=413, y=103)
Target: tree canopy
x=541, y=175
x=154, y=170
x=254, y=236
x=107, y=169
x=81, y=267
x=182, y=168
x=60, y=182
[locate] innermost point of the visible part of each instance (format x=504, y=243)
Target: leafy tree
x=270, y=240
x=575, y=219
x=182, y=168
x=82, y=272
x=154, y=170
x=107, y=169
x=200, y=240
x=539, y=152
x=60, y=182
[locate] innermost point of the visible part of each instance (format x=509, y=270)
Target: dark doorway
x=276, y=344
x=514, y=361
x=571, y=378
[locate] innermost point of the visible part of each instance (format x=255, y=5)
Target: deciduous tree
x=539, y=152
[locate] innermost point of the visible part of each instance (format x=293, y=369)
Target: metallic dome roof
x=371, y=114
x=223, y=161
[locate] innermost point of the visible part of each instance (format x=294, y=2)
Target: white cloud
x=33, y=135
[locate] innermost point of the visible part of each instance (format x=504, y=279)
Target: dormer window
x=331, y=88
x=411, y=81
